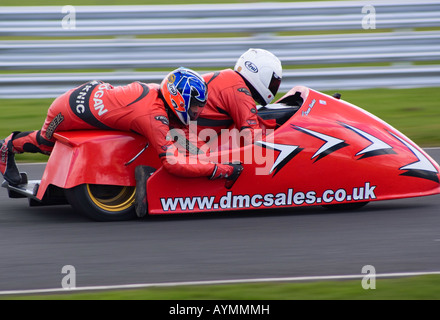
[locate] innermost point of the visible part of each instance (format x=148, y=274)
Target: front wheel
x=103, y=202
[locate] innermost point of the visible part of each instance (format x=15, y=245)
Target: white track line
x=217, y=282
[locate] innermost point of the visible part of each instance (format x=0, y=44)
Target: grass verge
x=411, y=288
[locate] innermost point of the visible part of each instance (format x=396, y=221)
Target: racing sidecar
x=324, y=151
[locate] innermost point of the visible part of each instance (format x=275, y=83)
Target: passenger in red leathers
x=232, y=94
x=147, y=109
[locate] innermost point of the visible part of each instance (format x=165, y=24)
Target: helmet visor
x=274, y=84
x=197, y=102
x=195, y=110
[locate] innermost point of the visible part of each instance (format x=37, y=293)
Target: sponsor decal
x=162, y=119
x=172, y=88
x=81, y=99
x=251, y=67
x=245, y=91
x=98, y=104
x=172, y=78
x=282, y=199
x=311, y=105
x=80, y=106
x=53, y=125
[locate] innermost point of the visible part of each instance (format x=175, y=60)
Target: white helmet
x=263, y=71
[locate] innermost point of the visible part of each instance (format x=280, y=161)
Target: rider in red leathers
x=232, y=94
x=147, y=109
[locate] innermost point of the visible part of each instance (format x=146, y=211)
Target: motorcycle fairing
x=328, y=152
x=95, y=157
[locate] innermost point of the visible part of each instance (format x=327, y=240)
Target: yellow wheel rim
x=112, y=198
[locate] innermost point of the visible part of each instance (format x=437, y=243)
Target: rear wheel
x=346, y=206
x=103, y=202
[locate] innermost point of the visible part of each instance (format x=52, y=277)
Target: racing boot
x=8, y=167
x=32, y=141
x=142, y=173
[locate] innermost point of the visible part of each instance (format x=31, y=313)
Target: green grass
x=23, y=115
x=414, y=112
x=412, y=288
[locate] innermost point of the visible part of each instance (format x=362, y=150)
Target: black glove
x=237, y=170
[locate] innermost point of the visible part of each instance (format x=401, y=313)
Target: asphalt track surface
x=36, y=242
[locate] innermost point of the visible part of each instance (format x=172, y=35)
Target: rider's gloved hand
x=230, y=172
x=221, y=171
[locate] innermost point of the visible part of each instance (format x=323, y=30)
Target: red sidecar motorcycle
x=324, y=151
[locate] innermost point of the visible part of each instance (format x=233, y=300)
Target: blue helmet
x=185, y=92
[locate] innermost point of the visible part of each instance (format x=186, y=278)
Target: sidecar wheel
x=103, y=202
x=346, y=206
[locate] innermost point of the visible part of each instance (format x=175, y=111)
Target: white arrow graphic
x=422, y=164
x=376, y=144
x=284, y=149
x=330, y=142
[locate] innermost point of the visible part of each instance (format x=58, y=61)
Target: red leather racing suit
x=136, y=107
x=230, y=104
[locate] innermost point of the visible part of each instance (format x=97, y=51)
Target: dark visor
x=195, y=101
x=274, y=84
x=194, y=115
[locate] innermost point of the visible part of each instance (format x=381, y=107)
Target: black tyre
x=103, y=202
x=346, y=206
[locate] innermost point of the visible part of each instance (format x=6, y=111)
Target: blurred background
x=383, y=56
x=46, y=50
x=326, y=45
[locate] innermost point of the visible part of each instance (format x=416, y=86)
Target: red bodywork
x=95, y=157
x=328, y=152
